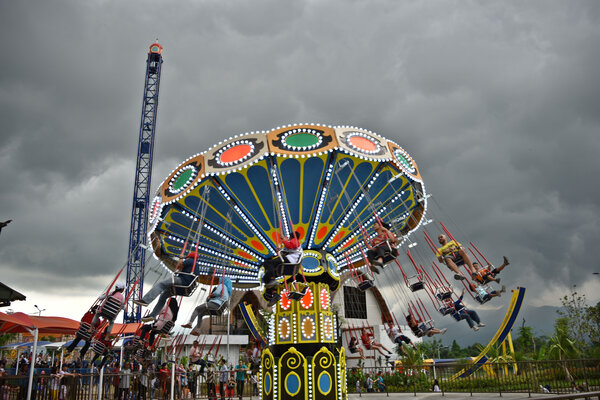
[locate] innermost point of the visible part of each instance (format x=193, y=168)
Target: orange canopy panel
x=21, y=323
x=125, y=329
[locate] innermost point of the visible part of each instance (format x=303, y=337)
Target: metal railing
x=556, y=377
x=552, y=377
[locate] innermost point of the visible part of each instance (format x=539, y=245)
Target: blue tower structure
x=143, y=179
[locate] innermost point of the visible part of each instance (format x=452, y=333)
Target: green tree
x=575, y=310
x=593, y=318
x=561, y=346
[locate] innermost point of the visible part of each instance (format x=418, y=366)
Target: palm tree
x=561, y=346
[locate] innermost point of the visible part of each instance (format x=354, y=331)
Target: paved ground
x=439, y=396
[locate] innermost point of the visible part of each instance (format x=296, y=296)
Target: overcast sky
x=498, y=103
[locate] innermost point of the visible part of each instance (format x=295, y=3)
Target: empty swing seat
x=299, y=292
x=167, y=327
x=111, y=308
x=184, y=290
x=365, y=285
x=84, y=331
x=415, y=283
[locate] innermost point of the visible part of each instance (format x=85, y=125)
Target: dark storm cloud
x=498, y=103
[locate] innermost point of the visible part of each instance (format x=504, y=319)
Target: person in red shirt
x=291, y=251
x=85, y=332
x=370, y=344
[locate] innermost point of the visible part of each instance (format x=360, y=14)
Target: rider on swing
x=383, y=244
x=453, y=254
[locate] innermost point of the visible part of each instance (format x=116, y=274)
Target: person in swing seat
x=453, y=254
x=383, y=243
x=218, y=297
x=291, y=253
x=488, y=274
x=370, y=344
x=420, y=329
x=397, y=337
x=186, y=269
x=355, y=348
x=168, y=313
x=461, y=312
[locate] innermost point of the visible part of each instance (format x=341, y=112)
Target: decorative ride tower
x=143, y=178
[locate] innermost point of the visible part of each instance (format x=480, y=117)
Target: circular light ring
x=285, y=303
x=404, y=160
x=308, y=299
x=332, y=264
x=156, y=210
x=235, y=152
x=308, y=327
x=325, y=299
x=301, y=139
x=363, y=143
x=284, y=328
x=182, y=178
x=327, y=327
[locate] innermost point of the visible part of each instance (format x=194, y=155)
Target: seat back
x=365, y=285
x=98, y=348
x=299, y=292
x=167, y=327
x=219, y=310
x=85, y=331
x=111, y=308
x=184, y=290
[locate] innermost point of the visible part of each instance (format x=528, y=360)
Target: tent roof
x=21, y=323
x=8, y=294
x=24, y=344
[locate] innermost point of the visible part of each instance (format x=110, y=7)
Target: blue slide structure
x=516, y=303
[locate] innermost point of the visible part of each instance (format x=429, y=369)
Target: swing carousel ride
x=235, y=203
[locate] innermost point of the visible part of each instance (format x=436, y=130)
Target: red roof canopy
x=21, y=323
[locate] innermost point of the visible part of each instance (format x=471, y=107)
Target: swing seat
x=424, y=328
x=446, y=310
x=443, y=294
x=290, y=268
x=415, y=283
x=98, y=348
x=219, y=310
x=143, y=354
x=365, y=285
x=111, y=308
x=298, y=294
x=138, y=342
x=184, y=290
x=84, y=331
x=482, y=299
x=167, y=327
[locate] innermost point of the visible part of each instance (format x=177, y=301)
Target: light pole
x=39, y=311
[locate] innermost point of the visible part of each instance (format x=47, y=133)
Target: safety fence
x=552, y=377
x=125, y=386
x=557, y=377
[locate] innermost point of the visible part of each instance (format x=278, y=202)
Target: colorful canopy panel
x=329, y=183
